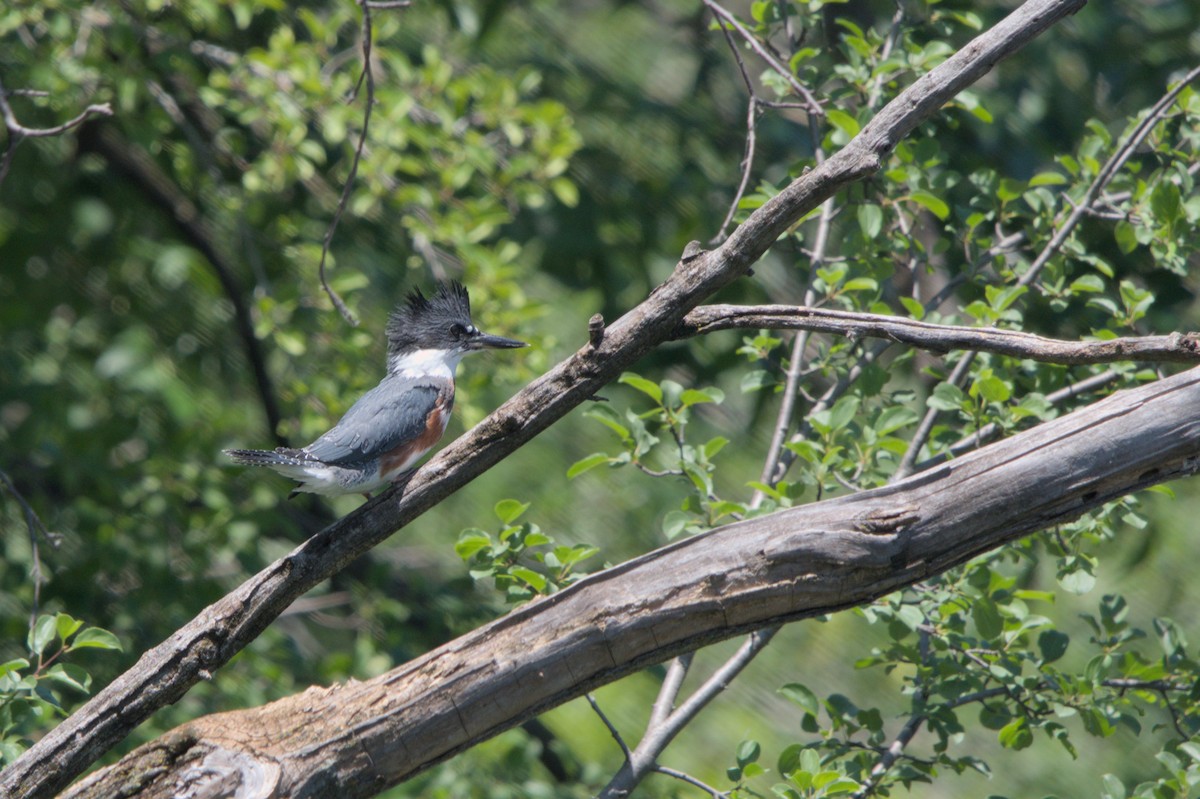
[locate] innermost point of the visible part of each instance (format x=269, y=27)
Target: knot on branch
x=596, y=330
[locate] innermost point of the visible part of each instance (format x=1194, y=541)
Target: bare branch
x=611, y=727
x=798, y=563
x=812, y=105
x=643, y=760
x=1171, y=348
x=690, y=780
x=18, y=132
x=667, y=693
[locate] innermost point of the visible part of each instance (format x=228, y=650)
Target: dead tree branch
x=355, y=739
x=1172, y=348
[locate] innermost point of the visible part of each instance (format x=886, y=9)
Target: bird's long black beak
x=488, y=341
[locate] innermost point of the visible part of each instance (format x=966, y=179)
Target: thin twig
x=611, y=728
x=747, y=167
x=811, y=103
x=752, y=112
x=642, y=760
x=17, y=132
x=791, y=391
x=367, y=75
x=35, y=528
x=690, y=780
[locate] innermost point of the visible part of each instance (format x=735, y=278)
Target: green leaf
x=606, y=416
x=1016, y=734
x=693, y=396
x=70, y=676
x=674, y=523
x=1077, y=582
x=1126, y=237
x=96, y=638
x=932, y=203
x=895, y=417
x=1166, y=203
x=1053, y=645
x=509, y=510
x=1113, y=788
x=1048, y=179
x=535, y=539
x=65, y=626
x=713, y=446
x=946, y=397
x=860, y=284
x=802, y=696
x=842, y=121
x=536, y=581
x=987, y=618
x=590, y=462
x=870, y=220
x=748, y=752
x=643, y=385
x=992, y=388
x=915, y=309
x=16, y=664
x=789, y=759
x=994, y=718
x=1087, y=283
x=843, y=412
x=756, y=380
x=41, y=634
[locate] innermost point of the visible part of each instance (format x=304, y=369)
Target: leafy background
x=556, y=157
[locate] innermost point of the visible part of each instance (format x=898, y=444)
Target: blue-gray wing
x=393, y=412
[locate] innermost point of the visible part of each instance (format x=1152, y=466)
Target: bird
x=394, y=424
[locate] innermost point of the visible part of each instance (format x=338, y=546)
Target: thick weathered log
x=165, y=673
x=353, y=740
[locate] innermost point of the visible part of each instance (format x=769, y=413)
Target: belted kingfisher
x=398, y=421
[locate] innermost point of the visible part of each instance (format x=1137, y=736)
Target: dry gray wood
x=1174, y=347
x=163, y=674
x=354, y=740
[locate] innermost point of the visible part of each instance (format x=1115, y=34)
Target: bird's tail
x=282, y=456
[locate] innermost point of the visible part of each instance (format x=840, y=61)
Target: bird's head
x=424, y=327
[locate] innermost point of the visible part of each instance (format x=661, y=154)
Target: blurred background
x=160, y=301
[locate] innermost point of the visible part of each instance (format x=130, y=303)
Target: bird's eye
x=458, y=330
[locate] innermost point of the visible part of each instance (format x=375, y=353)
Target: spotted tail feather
x=283, y=456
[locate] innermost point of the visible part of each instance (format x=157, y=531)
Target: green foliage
x=557, y=158
x=40, y=688
x=655, y=442
x=523, y=561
